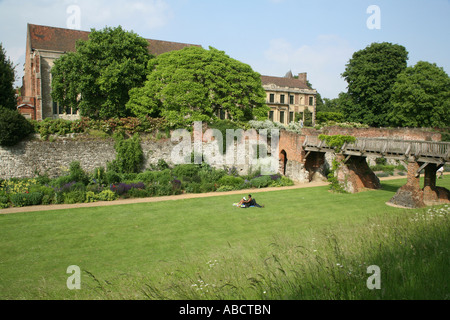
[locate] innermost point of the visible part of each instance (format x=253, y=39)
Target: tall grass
x=412, y=249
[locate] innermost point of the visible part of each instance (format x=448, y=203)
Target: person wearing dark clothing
x=251, y=203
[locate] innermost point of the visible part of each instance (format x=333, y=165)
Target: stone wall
x=33, y=156
x=36, y=156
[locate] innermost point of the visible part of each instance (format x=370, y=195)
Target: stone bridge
x=354, y=173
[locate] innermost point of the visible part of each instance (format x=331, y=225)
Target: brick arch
x=314, y=163
x=283, y=162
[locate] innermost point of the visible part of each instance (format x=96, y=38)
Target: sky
x=272, y=36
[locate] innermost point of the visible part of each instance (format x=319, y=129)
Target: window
x=282, y=116
x=272, y=98
x=291, y=117
x=291, y=99
x=271, y=115
x=282, y=98
x=311, y=101
x=55, y=107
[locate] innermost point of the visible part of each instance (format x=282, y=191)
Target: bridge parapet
x=421, y=151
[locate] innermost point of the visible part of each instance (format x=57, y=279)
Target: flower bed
x=102, y=185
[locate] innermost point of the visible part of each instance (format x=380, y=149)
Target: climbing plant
x=337, y=141
x=129, y=155
x=335, y=186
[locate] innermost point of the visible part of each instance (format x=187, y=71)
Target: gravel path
x=168, y=198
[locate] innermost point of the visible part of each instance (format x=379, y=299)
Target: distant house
x=289, y=98
x=44, y=46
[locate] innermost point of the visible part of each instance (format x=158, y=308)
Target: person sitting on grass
x=251, y=203
x=241, y=203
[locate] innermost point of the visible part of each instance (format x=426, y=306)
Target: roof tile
x=284, y=82
x=64, y=40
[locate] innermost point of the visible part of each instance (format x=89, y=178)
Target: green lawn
x=157, y=249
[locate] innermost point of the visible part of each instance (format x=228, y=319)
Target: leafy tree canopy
x=194, y=83
x=96, y=79
x=371, y=74
x=7, y=76
x=13, y=127
x=421, y=97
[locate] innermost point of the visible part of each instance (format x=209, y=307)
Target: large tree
x=194, y=83
x=371, y=74
x=7, y=77
x=421, y=97
x=96, y=79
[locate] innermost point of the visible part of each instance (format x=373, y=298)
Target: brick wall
x=292, y=144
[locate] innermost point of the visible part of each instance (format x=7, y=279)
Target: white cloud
x=324, y=61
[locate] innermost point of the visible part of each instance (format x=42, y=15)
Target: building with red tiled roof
x=290, y=98
x=44, y=46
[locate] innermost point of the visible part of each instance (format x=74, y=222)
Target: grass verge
x=306, y=244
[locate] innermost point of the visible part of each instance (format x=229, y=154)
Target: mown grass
x=306, y=244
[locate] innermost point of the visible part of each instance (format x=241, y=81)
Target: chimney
x=303, y=77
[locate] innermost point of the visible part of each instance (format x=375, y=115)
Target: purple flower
x=123, y=188
x=275, y=177
x=176, y=184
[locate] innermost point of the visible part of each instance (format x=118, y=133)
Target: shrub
x=210, y=174
x=13, y=186
x=71, y=186
x=13, y=127
x=90, y=197
x=225, y=189
x=186, y=171
x=231, y=181
x=164, y=177
x=77, y=173
x=99, y=176
x=147, y=176
x=139, y=193
x=47, y=200
x=129, y=177
x=48, y=126
x=161, y=189
x=48, y=193
x=26, y=199
x=160, y=166
x=207, y=187
x=261, y=182
x=4, y=202
x=61, y=181
x=75, y=197
x=176, y=185
x=382, y=174
x=123, y=188
x=129, y=155
x=59, y=197
x=194, y=187
x=107, y=195
x=381, y=161
x=112, y=177
x=282, y=182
